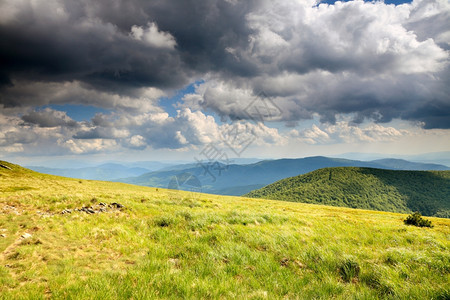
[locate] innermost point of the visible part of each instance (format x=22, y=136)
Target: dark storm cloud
x=90, y=41
x=95, y=53
x=375, y=61
x=49, y=118
x=100, y=133
x=380, y=99
x=434, y=115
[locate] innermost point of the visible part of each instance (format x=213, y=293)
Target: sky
x=208, y=79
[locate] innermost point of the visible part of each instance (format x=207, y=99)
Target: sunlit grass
x=174, y=244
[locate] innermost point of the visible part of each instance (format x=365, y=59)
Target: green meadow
x=167, y=244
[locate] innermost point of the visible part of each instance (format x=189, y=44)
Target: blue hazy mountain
x=441, y=158
x=106, y=172
x=237, y=179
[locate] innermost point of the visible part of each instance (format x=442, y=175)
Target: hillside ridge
x=369, y=188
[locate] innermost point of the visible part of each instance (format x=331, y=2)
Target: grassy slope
x=172, y=244
x=366, y=188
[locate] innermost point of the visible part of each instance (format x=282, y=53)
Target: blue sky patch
x=78, y=112
x=169, y=103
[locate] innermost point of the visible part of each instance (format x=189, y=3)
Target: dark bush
x=349, y=269
x=417, y=220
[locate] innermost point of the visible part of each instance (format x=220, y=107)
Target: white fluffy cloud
x=54, y=132
x=88, y=146
x=153, y=37
x=313, y=135
x=362, y=37
x=343, y=132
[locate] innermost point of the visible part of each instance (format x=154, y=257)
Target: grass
x=174, y=244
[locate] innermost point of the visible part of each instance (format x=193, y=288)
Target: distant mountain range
x=240, y=179
x=113, y=170
x=102, y=172
x=442, y=158
x=397, y=191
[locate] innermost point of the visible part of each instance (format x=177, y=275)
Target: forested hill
x=396, y=191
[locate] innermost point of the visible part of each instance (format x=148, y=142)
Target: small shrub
x=417, y=220
x=164, y=221
x=349, y=269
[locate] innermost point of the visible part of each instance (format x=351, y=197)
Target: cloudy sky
x=139, y=79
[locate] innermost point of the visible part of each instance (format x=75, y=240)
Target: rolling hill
x=237, y=179
x=64, y=238
x=397, y=191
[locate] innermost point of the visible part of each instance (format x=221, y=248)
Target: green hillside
x=396, y=191
x=64, y=238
